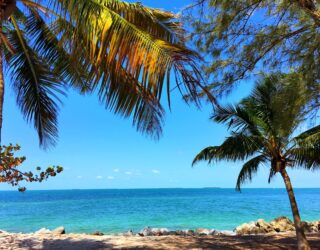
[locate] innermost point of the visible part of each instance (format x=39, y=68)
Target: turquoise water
x=113, y=211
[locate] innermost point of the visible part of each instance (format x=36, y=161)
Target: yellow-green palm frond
x=127, y=53
x=143, y=42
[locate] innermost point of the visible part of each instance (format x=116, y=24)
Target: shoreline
x=276, y=234
x=280, y=224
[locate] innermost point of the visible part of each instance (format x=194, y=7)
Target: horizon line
x=87, y=189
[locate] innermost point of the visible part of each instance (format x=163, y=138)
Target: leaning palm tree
x=123, y=52
x=264, y=127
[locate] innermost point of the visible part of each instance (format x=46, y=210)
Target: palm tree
x=264, y=127
x=123, y=52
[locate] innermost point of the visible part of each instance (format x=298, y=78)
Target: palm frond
x=237, y=118
x=69, y=69
x=208, y=154
x=143, y=42
x=308, y=137
x=248, y=170
x=307, y=157
x=236, y=147
x=129, y=98
x=37, y=87
x=239, y=146
x=271, y=175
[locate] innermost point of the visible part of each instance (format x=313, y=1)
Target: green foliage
x=123, y=52
x=10, y=173
x=264, y=127
x=244, y=37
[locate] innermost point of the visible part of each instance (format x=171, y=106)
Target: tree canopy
x=245, y=37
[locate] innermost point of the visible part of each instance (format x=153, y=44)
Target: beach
x=277, y=234
x=155, y=219
x=88, y=242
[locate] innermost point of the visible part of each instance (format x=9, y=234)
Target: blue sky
x=100, y=150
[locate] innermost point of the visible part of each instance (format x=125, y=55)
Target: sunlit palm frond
x=117, y=41
x=154, y=21
x=125, y=52
x=110, y=37
x=248, y=170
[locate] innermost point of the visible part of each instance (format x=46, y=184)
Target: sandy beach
x=84, y=241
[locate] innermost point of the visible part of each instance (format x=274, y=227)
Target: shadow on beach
x=270, y=242
x=64, y=244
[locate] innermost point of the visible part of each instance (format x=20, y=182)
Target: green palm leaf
x=308, y=137
x=249, y=169
x=307, y=157
x=37, y=87
x=236, y=147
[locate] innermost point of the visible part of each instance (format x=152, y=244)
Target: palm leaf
x=69, y=68
x=248, y=170
x=207, y=154
x=308, y=137
x=237, y=118
x=236, y=147
x=118, y=42
x=307, y=157
x=37, y=87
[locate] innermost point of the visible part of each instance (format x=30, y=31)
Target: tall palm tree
x=123, y=52
x=264, y=127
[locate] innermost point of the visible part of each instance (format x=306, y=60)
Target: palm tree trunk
x=301, y=238
x=1, y=88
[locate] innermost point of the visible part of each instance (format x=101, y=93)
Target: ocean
x=116, y=211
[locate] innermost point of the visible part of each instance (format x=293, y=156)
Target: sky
x=100, y=150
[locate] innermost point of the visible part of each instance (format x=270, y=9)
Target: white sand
x=82, y=241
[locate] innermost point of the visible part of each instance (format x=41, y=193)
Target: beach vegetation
x=10, y=169
x=240, y=38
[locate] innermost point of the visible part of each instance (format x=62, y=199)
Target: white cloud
x=155, y=171
x=99, y=177
x=79, y=177
x=116, y=170
x=110, y=177
x=128, y=173
x=173, y=181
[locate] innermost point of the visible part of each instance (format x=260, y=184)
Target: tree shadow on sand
x=65, y=244
x=270, y=242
